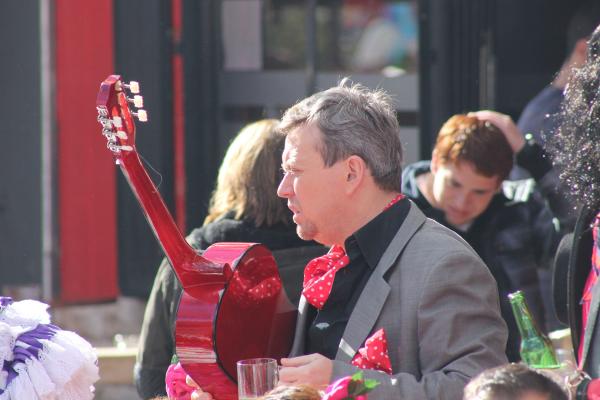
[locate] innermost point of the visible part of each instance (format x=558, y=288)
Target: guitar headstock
x=114, y=113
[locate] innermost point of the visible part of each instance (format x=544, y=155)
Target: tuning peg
x=117, y=121
x=102, y=112
x=133, y=86
x=121, y=135
x=105, y=122
x=141, y=115
x=108, y=134
x=138, y=101
x=118, y=149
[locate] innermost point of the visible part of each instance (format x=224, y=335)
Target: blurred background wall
x=70, y=228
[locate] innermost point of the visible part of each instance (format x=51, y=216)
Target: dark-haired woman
x=576, y=152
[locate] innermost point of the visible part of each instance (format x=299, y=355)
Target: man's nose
x=284, y=188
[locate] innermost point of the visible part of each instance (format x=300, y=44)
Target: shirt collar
x=372, y=240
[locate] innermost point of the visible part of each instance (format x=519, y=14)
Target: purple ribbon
x=21, y=354
x=5, y=301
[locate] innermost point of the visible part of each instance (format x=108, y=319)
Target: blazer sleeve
x=460, y=333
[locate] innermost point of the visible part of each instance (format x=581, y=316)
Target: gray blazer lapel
x=591, y=322
x=299, y=333
x=371, y=301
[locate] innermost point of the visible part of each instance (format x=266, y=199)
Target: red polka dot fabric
x=374, y=355
x=320, y=272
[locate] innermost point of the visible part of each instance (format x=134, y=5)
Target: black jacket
x=571, y=268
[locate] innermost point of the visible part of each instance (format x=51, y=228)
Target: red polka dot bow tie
x=320, y=272
x=374, y=355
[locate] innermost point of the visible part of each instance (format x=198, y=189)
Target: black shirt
x=364, y=248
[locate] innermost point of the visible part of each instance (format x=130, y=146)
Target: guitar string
x=153, y=169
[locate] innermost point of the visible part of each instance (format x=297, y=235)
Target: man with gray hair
x=398, y=295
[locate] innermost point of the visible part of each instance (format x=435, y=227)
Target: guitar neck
x=186, y=262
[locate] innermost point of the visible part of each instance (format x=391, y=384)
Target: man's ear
x=356, y=168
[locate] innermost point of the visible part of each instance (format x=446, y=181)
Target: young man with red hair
x=507, y=223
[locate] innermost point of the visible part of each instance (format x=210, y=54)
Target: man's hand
x=506, y=125
x=312, y=369
x=198, y=393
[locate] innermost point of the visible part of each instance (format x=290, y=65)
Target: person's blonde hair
x=249, y=176
x=296, y=392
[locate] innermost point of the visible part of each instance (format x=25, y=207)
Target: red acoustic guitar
x=233, y=304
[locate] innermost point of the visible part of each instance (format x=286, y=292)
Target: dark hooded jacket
x=515, y=236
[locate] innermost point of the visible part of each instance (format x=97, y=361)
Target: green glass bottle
x=536, y=349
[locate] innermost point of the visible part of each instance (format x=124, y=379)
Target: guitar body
x=233, y=304
x=250, y=317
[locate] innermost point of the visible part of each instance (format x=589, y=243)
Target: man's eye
x=290, y=171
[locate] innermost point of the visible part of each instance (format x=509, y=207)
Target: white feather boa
x=41, y=361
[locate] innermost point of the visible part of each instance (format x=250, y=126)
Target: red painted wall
x=86, y=173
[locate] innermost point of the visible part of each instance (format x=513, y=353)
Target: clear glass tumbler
x=256, y=376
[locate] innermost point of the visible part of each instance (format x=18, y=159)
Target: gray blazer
x=438, y=305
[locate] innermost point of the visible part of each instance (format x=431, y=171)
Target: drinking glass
x=256, y=376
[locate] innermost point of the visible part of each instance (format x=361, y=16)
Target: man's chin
x=305, y=234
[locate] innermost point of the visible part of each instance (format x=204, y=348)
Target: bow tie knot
x=320, y=273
